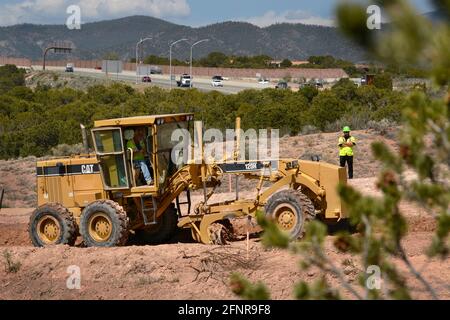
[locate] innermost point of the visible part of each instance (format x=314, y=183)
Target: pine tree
x=418, y=172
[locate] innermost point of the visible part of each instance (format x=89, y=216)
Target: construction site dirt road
x=183, y=269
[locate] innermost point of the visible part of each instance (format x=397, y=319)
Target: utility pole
x=190, y=68
x=170, y=58
x=137, y=56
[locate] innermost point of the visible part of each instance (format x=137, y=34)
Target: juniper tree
x=418, y=172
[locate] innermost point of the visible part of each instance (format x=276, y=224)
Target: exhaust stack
x=84, y=136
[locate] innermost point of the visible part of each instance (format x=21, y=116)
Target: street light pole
x=170, y=58
x=190, y=68
x=137, y=46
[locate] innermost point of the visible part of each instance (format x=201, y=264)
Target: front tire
x=104, y=223
x=52, y=224
x=290, y=209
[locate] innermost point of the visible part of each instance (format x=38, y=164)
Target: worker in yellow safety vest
x=346, y=144
x=138, y=146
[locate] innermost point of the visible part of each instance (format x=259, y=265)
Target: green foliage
x=319, y=290
x=246, y=290
x=34, y=122
x=418, y=172
x=331, y=62
x=407, y=71
x=353, y=23
x=286, y=63
x=215, y=60
x=11, y=266
x=345, y=89
x=326, y=108
x=121, y=35
x=153, y=59
x=218, y=59
x=272, y=236
x=10, y=77
x=309, y=92
x=383, y=81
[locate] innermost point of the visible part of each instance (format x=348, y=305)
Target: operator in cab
x=138, y=146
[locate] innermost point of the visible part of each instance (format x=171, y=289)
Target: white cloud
x=292, y=16
x=54, y=11
x=115, y=8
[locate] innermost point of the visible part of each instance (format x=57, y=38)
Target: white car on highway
x=217, y=83
x=263, y=81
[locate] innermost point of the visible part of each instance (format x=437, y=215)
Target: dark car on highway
x=282, y=85
x=146, y=79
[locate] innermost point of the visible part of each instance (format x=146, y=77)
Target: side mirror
x=84, y=137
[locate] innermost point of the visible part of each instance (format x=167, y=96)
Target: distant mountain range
x=94, y=40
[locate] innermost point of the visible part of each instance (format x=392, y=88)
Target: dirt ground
x=186, y=270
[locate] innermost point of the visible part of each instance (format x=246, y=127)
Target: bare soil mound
x=186, y=270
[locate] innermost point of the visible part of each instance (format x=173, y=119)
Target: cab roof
x=142, y=120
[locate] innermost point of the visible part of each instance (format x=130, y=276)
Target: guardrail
x=20, y=62
x=305, y=73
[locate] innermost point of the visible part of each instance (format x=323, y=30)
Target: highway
x=163, y=81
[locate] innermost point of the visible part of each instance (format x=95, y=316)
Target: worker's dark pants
x=349, y=160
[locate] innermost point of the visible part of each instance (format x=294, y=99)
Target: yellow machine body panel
x=328, y=177
x=113, y=174
x=142, y=120
x=72, y=182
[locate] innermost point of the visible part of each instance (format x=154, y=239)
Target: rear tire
x=104, y=223
x=290, y=209
x=52, y=224
x=162, y=231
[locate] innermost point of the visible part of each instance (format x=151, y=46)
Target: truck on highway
x=185, y=81
x=69, y=67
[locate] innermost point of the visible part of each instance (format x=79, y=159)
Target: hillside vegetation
x=293, y=41
x=32, y=121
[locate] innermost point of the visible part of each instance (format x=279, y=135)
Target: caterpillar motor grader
x=102, y=196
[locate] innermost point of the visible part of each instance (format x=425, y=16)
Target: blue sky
x=207, y=11
x=188, y=12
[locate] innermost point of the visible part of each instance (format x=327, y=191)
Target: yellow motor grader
x=103, y=198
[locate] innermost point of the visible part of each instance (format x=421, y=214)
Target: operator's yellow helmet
x=346, y=129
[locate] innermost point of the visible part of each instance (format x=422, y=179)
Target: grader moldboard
x=102, y=197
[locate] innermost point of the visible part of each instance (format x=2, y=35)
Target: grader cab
x=133, y=187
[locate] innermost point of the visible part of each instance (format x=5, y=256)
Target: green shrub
x=34, y=122
x=67, y=150
x=326, y=108
x=383, y=81
x=11, y=266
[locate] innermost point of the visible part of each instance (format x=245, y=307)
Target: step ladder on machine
x=188, y=202
x=147, y=209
